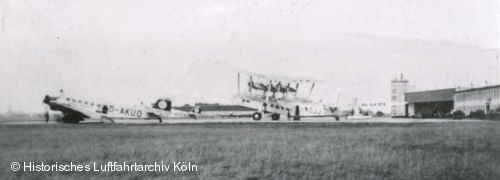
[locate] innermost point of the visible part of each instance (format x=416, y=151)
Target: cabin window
x=67, y=99
x=92, y=104
x=86, y=102
x=79, y=101
x=98, y=105
x=73, y=100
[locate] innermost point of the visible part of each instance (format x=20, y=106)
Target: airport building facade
x=484, y=98
x=440, y=102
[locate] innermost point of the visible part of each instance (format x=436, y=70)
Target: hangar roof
x=478, y=88
x=430, y=96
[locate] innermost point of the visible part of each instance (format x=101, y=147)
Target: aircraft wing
x=294, y=79
x=68, y=109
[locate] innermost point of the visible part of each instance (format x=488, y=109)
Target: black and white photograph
x=250, y=89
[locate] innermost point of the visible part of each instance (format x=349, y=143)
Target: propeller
x=46, y=99
x=278, y=87
x=250, y=84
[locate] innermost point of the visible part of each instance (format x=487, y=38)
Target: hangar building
x=483, y=98
x=434, y=103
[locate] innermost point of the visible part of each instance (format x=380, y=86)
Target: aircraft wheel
x=256, y=116
x=275, y=116
x=336, y=118
x=296, y=118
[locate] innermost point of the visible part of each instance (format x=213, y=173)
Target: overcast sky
x=130, y=51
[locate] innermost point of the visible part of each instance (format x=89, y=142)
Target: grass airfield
x=464, y=149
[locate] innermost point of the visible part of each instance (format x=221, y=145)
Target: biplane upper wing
x=294, y=79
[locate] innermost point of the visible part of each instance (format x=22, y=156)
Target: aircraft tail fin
x=163, y=104
x=196, y=110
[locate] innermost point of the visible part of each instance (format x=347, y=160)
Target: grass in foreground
x=466, y=150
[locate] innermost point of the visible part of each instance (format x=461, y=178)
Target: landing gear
x=107, y=118
x=257, y=116
x=336, y=118
x=297, y=113
x=275, y=116
x=161, y=120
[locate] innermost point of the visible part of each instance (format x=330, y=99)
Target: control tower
x=399, y=86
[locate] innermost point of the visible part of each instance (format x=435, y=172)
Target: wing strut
x=310, y=91
x=238, y=83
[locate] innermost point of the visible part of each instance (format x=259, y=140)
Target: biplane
x=76, y=109
x=280, y=96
